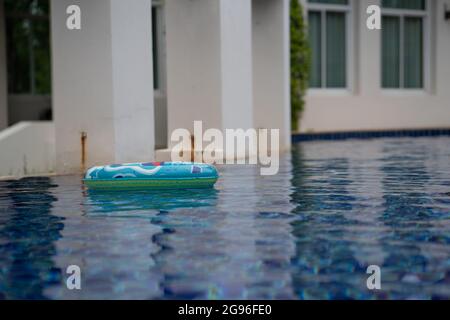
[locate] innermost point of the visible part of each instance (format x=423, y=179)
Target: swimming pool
x=309, y=232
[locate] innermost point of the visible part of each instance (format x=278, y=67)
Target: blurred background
x=135, y=72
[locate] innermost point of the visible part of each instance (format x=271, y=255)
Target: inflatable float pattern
x=151, y=175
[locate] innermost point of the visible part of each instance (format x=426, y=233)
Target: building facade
x=114, y=90
x=134, y=72
x=394, y=78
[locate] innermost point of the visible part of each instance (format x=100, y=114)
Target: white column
x=103, y=83
x=133, y=80
x=193, y=63
x=271, y=64
x=3, y=72
x=209, y=64
x=236, y=63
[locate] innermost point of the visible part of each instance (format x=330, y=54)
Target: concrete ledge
x=27, y=148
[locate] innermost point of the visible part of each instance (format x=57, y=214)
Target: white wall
x=132, y=80
x=3, y=72
x=369, y=107
x=271, y=67
x=193, y=63
x=209, y=64
x=228, y=64
x=27, y=148
x=236, y=64
x=102, y=83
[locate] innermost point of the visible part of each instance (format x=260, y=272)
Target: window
x=327, y=24
x=28, y=46
x=403, y=24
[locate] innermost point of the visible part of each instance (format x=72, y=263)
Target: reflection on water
x=27, y=235
x=372, y=202
x=323, y=251
x=414, y=222
x=115, y=203
x=307, y=233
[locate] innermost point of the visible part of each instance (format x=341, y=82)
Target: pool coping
x=369, y=134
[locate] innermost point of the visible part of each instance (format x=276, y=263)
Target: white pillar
x=103, y=83
x=236, y=63
x=3, y=71
x=209, y=64
x=193, y=60
x=271, y=67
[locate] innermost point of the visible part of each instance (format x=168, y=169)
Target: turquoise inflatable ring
x=152, y=175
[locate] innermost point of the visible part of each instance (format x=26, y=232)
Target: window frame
x=349, y=10
x=426, y=35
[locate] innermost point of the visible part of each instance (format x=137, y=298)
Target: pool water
x=309, y=232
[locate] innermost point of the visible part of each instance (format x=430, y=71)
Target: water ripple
x=307, y=233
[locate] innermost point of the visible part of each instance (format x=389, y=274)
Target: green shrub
x=300, y=61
